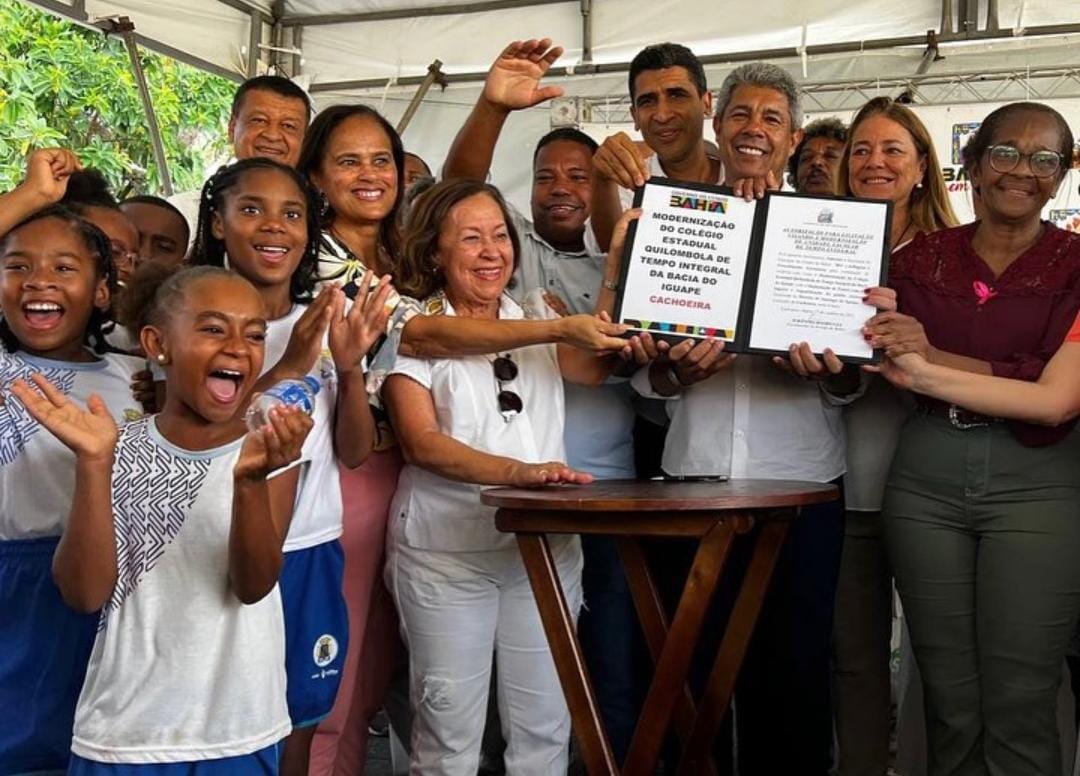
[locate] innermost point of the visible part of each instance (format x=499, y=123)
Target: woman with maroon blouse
x=983, y=515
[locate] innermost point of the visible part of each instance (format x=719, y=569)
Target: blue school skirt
x=44, y=649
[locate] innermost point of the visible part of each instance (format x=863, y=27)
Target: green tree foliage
x=63, y=85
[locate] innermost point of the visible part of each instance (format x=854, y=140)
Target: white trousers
x=456, y=609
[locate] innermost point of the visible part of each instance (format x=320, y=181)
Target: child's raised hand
x=48, y=171
x=274, y=445
x=354, y=333
x=305, y=342
x=91, y=433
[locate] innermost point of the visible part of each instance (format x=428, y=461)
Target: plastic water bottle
x=287, y=393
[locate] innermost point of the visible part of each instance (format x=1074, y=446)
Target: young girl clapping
x=258, y=218
x=175, y=531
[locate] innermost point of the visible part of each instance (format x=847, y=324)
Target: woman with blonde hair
x=889, y=155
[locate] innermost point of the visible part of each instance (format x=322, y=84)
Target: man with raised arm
x=669, y=102
x=599, y=421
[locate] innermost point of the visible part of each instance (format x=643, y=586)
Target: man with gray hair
x=754, y=419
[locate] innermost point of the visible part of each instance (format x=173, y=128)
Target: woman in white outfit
x=460, y=586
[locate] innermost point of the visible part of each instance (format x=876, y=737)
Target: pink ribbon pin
x=983, y=292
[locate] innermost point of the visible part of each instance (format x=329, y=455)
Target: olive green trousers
x=984, y=539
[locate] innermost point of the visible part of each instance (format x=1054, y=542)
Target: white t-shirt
x=181, y=670
x=434, y=513
x=37, y=470
x=317, y=515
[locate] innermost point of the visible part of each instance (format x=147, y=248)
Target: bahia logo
x=326, y=649
x=700, y=201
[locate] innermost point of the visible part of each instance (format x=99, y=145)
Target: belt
x=958, y=417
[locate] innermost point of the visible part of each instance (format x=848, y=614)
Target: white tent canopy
x=840, y=51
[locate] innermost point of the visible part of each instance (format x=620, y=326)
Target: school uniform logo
x=326, y=649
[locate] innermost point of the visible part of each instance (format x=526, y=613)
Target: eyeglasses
x=510, y=403
x=1043, y=164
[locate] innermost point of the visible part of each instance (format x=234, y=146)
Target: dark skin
x=123, y=239
x=415, y=169
x=264, y=227
x=47, y=173
x=819, y=161
x=45, y=264
x=358, y=175
x=270, y=125
x=217, y=326
x=163, y=234
x=670, y=112
x=1011, y=223
x=562, y=194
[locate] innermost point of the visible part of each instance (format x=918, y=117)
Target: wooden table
x=712, y=513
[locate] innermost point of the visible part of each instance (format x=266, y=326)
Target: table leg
x=676, y=646
x=558, y=624
x=740, y=628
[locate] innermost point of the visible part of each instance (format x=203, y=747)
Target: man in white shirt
x=269, y=117
x=750, y=418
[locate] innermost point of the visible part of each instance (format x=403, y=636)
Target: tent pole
x=992, y=16
x=946, y=28
x=931, y=54
x=254, y=41
x=434, y=75
x=126, y=29
x=297, y=43
x=586, y=32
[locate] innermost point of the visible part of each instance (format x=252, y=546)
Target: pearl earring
x=161, y=358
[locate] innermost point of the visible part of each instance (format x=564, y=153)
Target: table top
x=656, y=496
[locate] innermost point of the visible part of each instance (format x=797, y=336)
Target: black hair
x=210, y=251
x=269, y=83
x=975, y=147
x=565, y=133
x=829, y=128
x=164, y=204
x=661, y=56
x=88, y=188
x=97, y=244
x=156, y=288
x=314, y=146
x=420, y=159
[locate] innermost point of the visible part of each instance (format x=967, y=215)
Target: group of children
x=225, y=656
